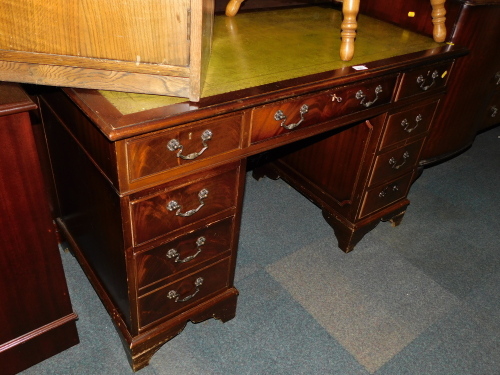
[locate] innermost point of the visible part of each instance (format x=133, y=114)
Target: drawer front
x=279, y=118
x=406, y=124
x=163, y=212
x=183, y=293
x=424, y=79
x=382, y=196
x=394, y=163
x=183, y=252
x=165, y=150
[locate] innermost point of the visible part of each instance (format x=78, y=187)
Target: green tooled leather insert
x=257, y=48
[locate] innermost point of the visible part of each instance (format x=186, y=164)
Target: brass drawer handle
x=387, y=190
x=174, y=145
x=173, y=253
x=173, y=205
x=174, y=294
x=336, y=98
x=405, y=124
x=421, y=80
x=494, y=111
x=361, y=95
x=280, y=116
x=497, y=78
x=394, y=164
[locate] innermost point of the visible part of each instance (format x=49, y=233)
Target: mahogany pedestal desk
x=35, y=309
x=150, y=188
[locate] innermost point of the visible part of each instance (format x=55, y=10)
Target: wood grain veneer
x=149, y=46
x=35, y=310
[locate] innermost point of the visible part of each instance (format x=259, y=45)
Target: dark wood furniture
x=35, y=309
x=150, y=199
x=473, y=98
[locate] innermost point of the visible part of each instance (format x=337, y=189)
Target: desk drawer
x=407, y=124
x=394, y=163
x=169, y=149
x=172, y=208
x=184, y=252
x=385, y=195
x=272, y=120
x=424, y=79
x=183, y=293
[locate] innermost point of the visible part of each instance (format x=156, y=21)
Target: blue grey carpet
x=421, y=298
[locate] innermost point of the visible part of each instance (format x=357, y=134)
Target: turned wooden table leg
x=350, y=9
x=349, y=25
x=438, y=18
x=232, y=7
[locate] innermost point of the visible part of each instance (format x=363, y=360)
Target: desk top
x=258, y=48
x=271, y=53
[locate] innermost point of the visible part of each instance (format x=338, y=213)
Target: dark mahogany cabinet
x=35, y=310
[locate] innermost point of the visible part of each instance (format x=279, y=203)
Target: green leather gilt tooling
x=257, y=48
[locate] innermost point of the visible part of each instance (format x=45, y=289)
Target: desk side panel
x=90, y=210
